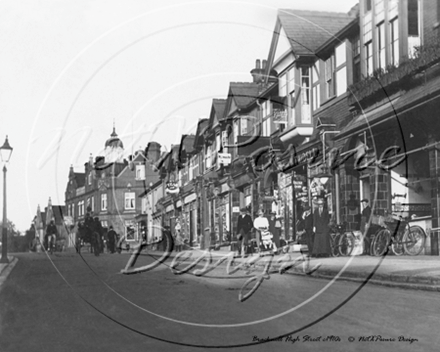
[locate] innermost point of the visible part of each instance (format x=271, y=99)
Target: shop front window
x=411, y=187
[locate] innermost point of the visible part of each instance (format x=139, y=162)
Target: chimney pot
x=257, y=64
x=264, y=64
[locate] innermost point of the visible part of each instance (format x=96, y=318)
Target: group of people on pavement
x=315, y=227
x=268, y=231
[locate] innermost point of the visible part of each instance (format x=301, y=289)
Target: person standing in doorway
x=306, y=226
x=365, y=218
x=244, y=227
x=321, y=246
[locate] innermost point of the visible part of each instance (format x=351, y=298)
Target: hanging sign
x=172, y=188
x=224, y=158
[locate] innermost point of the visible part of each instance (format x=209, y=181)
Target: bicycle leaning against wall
x=397, y=234
x=342, y=242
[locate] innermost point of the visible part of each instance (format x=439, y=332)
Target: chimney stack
x=258, y=72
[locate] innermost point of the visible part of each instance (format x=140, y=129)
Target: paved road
x=83, y=303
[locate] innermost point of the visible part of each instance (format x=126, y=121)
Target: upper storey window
x=367, y=5
x=368, y=43
x=413, y=26
x=316, y=101
x=287, y=88
x=356, y=45
x=306, y=116
x=379, y=10
x=394, y=41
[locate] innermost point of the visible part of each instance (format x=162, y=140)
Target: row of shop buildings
x=343, y=108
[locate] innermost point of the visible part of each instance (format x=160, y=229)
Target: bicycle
x=342, y=242
x=399, y=236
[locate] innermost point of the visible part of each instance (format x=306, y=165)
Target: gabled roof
x=218, y=106
x=243, y=93
x=201, y=128
x=80, y=178
x=309, y=30
x=187, y=143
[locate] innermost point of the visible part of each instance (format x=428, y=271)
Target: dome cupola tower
x=114, y=149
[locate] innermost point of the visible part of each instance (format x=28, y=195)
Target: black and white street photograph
x=220, y=175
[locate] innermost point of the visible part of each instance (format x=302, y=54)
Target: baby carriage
x=266, y=243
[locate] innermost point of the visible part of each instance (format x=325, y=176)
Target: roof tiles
x=309, y=30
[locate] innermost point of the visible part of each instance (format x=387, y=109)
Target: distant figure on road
x=97, y=237
x=51, y=236
x=112, y=239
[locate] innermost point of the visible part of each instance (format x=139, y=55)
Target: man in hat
x=306, y=226
x=244, y=227
x=365, y=217
x=321, y=245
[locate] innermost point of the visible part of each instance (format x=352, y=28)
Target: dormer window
x=140, y=172
x=89, y=177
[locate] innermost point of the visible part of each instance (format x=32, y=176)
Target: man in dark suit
x=321, y=219
x=244, y=227
x=365, y=218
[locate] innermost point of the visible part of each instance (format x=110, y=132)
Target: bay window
x=341, y=69
x=316, y=101
x=306, y=116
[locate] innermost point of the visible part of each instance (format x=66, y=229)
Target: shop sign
x=295, y=159
x=224, y=158
x=298, y=185
x=172, y=188
x=235, y=209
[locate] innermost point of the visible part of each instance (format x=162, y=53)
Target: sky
x=71, y=69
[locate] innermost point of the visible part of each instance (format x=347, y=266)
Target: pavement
x=411, y=272
x=5, y=269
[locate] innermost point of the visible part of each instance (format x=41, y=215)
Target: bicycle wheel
x=334, y=243
x=346, y=243
x=381, y=242
x=414, y=240
x=397, y=244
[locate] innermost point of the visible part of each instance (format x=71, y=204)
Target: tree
x=16, y=242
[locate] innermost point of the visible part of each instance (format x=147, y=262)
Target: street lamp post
x=5, y=152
